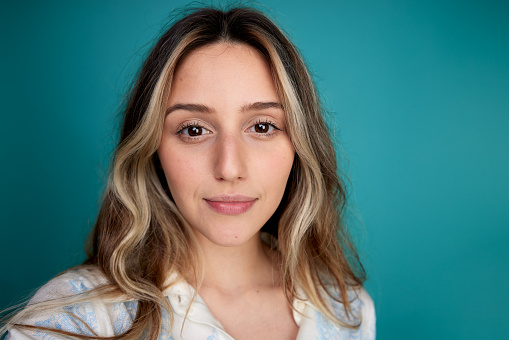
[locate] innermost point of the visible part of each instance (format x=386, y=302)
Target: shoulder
x=358, y=323
x=70, y=283
x=67, y=303
x=367, y=313
x=362, y=311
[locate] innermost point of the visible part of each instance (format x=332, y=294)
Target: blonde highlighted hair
x=140, y=237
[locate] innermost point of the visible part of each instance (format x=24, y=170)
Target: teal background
x=418, y=93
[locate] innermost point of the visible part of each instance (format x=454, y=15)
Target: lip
x=230, y=204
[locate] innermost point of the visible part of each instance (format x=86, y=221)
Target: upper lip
x=230, y=198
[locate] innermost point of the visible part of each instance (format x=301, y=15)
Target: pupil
x=195, y=131
x=262, y=128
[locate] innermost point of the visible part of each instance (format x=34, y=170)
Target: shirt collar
x=180, y=294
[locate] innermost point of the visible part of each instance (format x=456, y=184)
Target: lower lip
x=230, y=208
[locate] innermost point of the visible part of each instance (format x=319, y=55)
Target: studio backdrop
x=417, y=95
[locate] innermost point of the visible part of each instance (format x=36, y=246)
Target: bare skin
x=243, y=291
x=227, y=158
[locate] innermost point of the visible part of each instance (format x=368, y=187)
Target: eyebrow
x=261, y=106
x=205, y=109
x=189, y=107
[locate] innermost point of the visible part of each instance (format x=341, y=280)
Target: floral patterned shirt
x=192, y=318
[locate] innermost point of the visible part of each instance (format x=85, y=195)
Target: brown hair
x=140, y=236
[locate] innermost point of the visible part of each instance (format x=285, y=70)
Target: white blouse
x=108, y=317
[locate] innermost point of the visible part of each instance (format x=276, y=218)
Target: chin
x=233, y=237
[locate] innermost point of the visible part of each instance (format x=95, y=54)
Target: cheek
x=181, y=172
x=277, y=166
x=286, y=156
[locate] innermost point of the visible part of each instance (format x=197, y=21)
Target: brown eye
x=194, y=131
x=261, y=128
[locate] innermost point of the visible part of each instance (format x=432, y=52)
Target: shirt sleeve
x=90, y=317
x=368, y=325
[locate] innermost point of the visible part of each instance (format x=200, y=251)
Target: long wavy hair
x=140, y=236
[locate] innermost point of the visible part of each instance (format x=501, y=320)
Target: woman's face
x=224, y=149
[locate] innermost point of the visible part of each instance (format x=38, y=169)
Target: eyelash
x=183, y=127
x=189, y=125
x=275, y=129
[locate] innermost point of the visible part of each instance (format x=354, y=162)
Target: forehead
x=223, y=71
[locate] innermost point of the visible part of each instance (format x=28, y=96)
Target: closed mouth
x=230, y=204
x=231, y=198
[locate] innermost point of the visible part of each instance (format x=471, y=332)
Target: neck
x=243, y=267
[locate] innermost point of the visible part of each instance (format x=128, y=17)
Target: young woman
x=223, y=214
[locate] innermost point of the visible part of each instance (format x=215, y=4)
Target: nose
x=230, y=158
